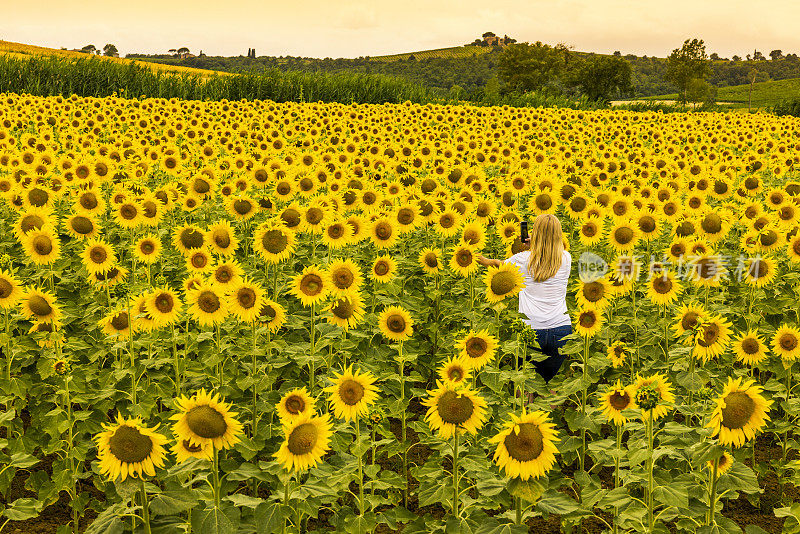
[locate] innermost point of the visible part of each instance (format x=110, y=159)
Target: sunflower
x=142, y=320
x=47, y=329
x=345, y=275
x=147, y=249
x=10, y=290
x=759, y=271
x=128, y=448
x=82, y=226
x=477, y=349
x=273, y=242
x=204, y=419
x=474, y=235
x=241, y=207
x=337, y=235
x=33, y=219
x=712, y=337
x=98, y=257
x=42, y=246
x=222, y=238
x=206, y=304
x=455, y=370
x=383, y=269
x=793, y=249
x=383, y=233
x=663, y=288
x=294, y=404
x=707, y=270
x=503, y=281
x=39, y=305
x=244, y=300
x=678, y=248
x=623, y=236
x=659, y=393
x=452, y=407
x=307, y=440
x=786, y=343
x=346, y=311
x=526, y=446
x=740, y=413
x=199, y=261
x=226, y=275
x=618, y=353
x=272, y=315
x=688, y=316
x=395, y=323
x=595, y=294
x=116, y=324
x=352, y=393
x=588, y=322
x=129, y=214
x=183, y=449
x=724, y=463
x=615, y=400
x=188, y=237
x=90, y=202
x=591, y=232
x=311, y=286
x=163, y=305
x=429, y=259
x=750, y=349
x=314, y=218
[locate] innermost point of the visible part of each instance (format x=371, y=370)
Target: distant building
x=185, y=55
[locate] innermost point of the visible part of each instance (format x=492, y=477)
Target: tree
x=110, y=50
x=601, y=77
x=758, y=56
x=617, y=53
x=714, y=57
x=528, y=67
x=700, y=91
x=89, y=49
x=182, y=50
x=488, y=34
x=775, y=55
x=687, y=63
x=736, y=58
x=172, y=51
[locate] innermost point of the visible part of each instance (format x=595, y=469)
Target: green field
x=452, y=52
x=765, y=94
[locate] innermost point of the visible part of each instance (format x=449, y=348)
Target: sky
x=353, y=28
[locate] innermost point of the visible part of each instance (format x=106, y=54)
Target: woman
x=545, y=267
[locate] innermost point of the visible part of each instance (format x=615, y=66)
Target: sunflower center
x=208, y=301
x=662, y=285
x=623, y=235
x=246, y=297
x=39, y=306
x=42, y=245
x=82, y=225
x=712, y=223
x=129, y=445
x=147, y=248
x=314, y=215
x=476, y=347
x=464, y=258
x=543, y=202
x=274, y=241
x=269, y=312
x=199, y=261
x=706, y=268
x=5, y=288
x=527, y=444
x=738, y=410
x=242, y=207
x=446, y=221
x=769, y=238
x=342, y=309
x=224, y=274
x=291, y=217
x=120, y=321
x=587, y=319
x=222, y=239
x=351, y=392
x=589, y=229
x=38, y=197
x=381, y=268
x=502, y=283
x=431, y=260
x=128, y=212
x=711, y=333
x=295, y=404
x=206, y=422
x=750, y=345
x=593, y=291
x=689, y=320
x=98, y=255
x=164, y=302
x=335, y=231
x=30, y=222
x=190, y=447
x=456, y=374
x=619, y=401
x=647, y=224
x=88, y=201
x=302, y=439
x=788, y=341
x=758, y=269
x=405, y=216
x=343, y=278
x=311, y=285
x=191, y=238
x=396, y=323
x=454, y=408
x=383, y=231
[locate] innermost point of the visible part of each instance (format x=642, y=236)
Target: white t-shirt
x=544, y=303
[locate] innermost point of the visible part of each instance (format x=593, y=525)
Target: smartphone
x=523, y=231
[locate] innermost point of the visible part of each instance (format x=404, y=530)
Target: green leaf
x=505, y=528
x=555, y=502
x=792, y=515
x=23, y=509
x=21, y=460
x=247, y=501
x=126, y=488
x=363, y=524
x=172, y=502
x=528, y=490
x=270, y=517
x=108, y=521
x=216, y=522
x=676, y=495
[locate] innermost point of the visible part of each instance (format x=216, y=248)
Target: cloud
x=356, y=16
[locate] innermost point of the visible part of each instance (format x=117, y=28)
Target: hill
x=453, y=52
x=765, y=94
x=19, y=50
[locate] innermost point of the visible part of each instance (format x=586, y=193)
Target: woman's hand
x=486, y=261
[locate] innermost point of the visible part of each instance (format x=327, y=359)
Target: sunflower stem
x=145, y=508
x=372, y=458
x=313, y=354
x=785, y=432
x=178, y=384
x=518, y=506
x=584, y=386
x=712, y=493
x=286, y=500
x=649, y=429
x=216, y=477
x=360, y=471
x=7, y=348
x=70, y=442
x=220, y=365
x=455, y=474
x=616, y=474
x=401, y=364
x=254, y=372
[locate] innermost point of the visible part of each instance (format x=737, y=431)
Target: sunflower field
x=248, y=316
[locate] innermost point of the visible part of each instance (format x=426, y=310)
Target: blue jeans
x=550, y=340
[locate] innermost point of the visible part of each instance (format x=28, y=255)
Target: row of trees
x=108, y=50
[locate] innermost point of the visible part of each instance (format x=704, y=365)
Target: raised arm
x=488, y=261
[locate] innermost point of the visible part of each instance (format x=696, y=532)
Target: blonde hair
x=547, y=247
